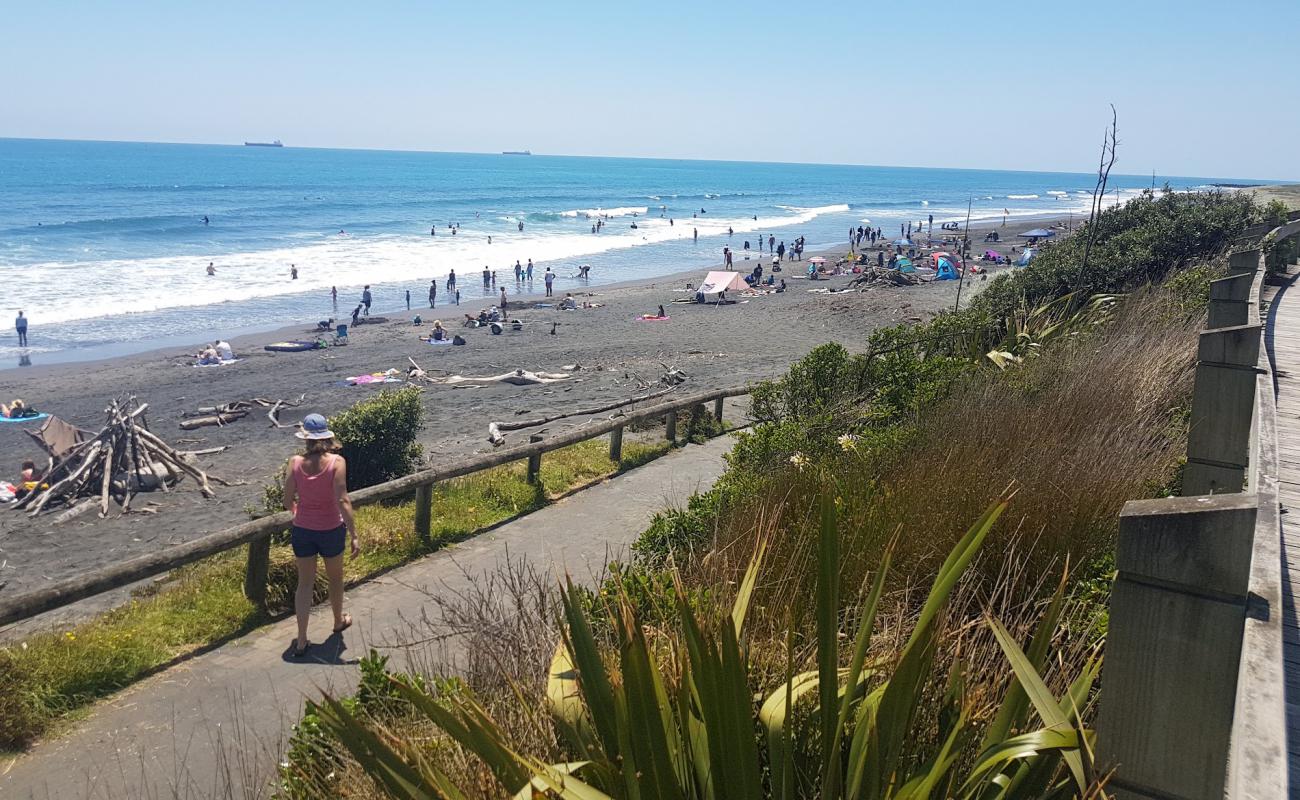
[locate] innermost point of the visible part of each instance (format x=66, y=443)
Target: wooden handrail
x=71, y=590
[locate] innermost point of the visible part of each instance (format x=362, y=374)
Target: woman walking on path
x=316, y=491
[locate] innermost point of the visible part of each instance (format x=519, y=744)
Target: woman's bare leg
x=302, y=596
x=334, y=572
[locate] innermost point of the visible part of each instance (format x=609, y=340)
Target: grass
x=51, y=675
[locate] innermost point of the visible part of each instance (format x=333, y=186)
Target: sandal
x=347, y=623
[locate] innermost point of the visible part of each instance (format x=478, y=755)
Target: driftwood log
x=123, y=459
x=495, y=429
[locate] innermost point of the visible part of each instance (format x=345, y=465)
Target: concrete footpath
x=213, y=726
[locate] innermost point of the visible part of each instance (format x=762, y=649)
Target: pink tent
x=716, y=282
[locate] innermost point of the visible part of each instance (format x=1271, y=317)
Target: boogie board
x=42, y=415
x=290, y=347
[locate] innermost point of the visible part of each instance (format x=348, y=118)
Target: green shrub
x=378, y=436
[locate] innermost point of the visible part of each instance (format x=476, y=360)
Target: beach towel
x=41, y=415
x=290, y=347
x=651, y=318
x=378, y=377
x=219, y=363
x=439, y=341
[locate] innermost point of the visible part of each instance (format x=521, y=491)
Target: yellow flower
x=71, y=637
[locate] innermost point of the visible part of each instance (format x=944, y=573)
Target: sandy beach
x=615, y=352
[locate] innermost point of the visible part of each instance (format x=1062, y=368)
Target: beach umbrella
x=1037, y=233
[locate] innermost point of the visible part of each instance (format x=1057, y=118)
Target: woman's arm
x=290, y=493
x=345, y=502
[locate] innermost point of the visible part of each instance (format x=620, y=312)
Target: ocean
x=103, y=244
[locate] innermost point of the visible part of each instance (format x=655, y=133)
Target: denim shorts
x=326, y=544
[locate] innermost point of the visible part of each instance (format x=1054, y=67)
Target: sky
x=1201, y=88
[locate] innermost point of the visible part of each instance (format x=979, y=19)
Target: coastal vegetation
x=717, y=662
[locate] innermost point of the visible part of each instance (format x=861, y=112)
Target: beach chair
x=58, y=438
x=340, y=335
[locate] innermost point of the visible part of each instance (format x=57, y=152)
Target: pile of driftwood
x=872, y=275
x=231, y=412
x=117, y=463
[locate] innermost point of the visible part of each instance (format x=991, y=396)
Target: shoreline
x=608, y=352
x=251, y=336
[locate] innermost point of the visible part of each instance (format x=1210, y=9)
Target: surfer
x=205, y=219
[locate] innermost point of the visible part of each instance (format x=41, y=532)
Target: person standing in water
x=528, y=271
x=451, y=283
x=503, y=299
x=408, y=299
x=695, y=234
x=366, y=297
x=212, y=270
x=433, y=292
x=316, y=492
x=549, y=277
x=293, y=272
x=20, y=325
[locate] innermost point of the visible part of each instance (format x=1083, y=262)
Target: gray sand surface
x=715, y=346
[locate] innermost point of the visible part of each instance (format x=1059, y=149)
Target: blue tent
x=904, y=265
x=945, y=270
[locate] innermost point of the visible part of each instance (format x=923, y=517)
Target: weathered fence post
x=424, y=512
x=717, y=410
x=1230, y=300
x=534, y=461
x=671, y=421
x=257, y=571
x=616, y=445
x=1177, y=612
x=1223, y=403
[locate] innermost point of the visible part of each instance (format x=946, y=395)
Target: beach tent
x=945, y=267
x=902, y=242
x=904, y=264
x=1026, y=256
x=716, y=282
x=1037, y=233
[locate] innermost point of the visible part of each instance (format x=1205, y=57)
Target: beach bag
x=457, y=339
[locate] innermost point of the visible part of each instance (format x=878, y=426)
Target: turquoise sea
x=103, y=244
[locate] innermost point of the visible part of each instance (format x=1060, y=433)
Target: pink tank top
x=317, y=508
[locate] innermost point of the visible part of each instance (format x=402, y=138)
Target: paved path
x=212, y=726
x=1283, y=342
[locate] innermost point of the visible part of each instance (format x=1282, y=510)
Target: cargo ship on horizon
x=276, y=143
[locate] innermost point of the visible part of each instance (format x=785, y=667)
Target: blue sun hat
x=314, y=426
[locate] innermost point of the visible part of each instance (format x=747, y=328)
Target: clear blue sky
x=1012, y=85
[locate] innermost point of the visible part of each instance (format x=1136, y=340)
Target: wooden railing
x=1193, y=704
x=256, y=534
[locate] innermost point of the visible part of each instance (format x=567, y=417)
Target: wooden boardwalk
x=1283, y=342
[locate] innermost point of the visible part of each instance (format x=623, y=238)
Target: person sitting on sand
x=208, y=356
x=568, y=303
x=471, y=321
x=316, y=491
x=224, y=350
x=439, y=333
x=29, y=480
x=16, y=410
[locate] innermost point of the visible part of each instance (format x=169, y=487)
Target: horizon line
x=1261, y=181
